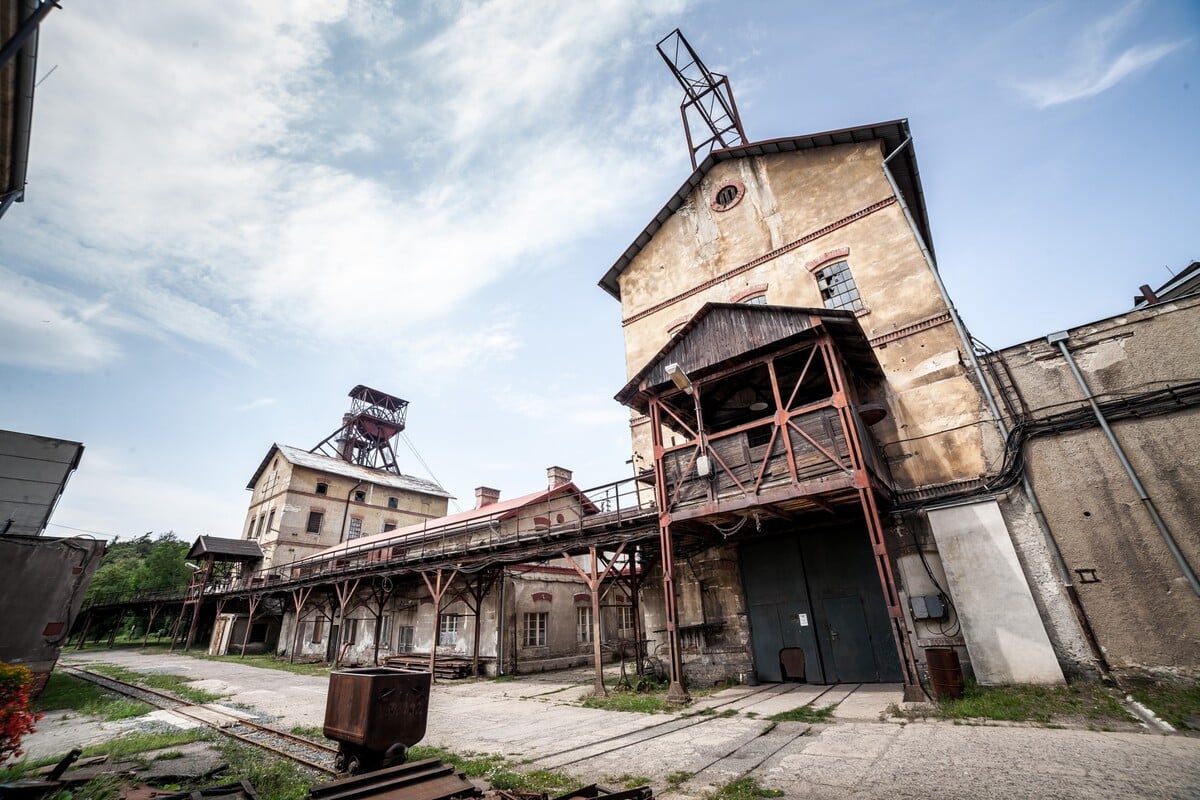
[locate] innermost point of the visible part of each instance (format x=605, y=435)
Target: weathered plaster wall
x=290, y=491
x=1144, y=614
x=937, y=430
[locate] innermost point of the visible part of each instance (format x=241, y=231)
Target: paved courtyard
x=536, y=720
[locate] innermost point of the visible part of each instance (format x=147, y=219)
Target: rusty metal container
x=377, y=708
x=945, y=673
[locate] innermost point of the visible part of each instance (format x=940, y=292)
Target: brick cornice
x=909, y=330
x=825, y=258
x=764, y=258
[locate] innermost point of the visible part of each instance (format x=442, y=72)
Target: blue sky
x=232, y=219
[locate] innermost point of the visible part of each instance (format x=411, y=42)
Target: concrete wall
x=1131, y=586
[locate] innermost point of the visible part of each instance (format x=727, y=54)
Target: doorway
x=819, y=592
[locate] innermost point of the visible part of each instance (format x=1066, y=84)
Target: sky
x=232, y=219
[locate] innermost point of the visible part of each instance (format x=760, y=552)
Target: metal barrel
x=945, y=672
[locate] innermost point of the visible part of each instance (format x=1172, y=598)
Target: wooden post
x=436, y=590
x=112, y=636
x=154, y=609
x=593, y=578
x=477, y=590
x=87, y=624
x=345, y=590
x=676, y=693
x=299, y=598
x=254, y=601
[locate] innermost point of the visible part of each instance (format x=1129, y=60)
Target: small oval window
x=727, y=195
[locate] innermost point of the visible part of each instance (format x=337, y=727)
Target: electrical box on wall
x=929, y=606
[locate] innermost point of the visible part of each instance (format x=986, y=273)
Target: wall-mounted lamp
x=193, y=566
x=679, y=378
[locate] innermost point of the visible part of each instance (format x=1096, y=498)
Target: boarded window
x=316, y=632
x=533, y=631
x=315, y=518
x=349, y=631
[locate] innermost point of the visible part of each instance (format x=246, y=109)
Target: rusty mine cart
x=375, y=714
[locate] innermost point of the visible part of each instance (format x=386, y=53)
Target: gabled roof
x=498, y=511
x=335, y=466
x=225, y=549
x=720, y=332
x=891, y=134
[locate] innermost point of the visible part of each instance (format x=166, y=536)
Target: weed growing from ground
x=806, y=714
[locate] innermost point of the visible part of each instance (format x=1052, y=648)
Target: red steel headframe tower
x=369, y=430
x=707, y=98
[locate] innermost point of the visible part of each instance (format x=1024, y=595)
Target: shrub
x=16, y=719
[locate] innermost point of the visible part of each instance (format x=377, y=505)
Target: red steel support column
x=676, y=693
x=842, y=395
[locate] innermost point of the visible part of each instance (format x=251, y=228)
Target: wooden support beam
x=299, y=598
x=255, y=599
x=437, y=590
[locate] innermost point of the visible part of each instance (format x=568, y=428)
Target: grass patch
x=174, y=684
x=269, y=661
x=743, y=789
x=1043, y=704
x=169, y=755
x=805, y=714
x=273, y=778
x=628, y=781
x=1178, y=705
x=676, y=779
x=498, y=772
x=623, y=700
x=66, y=692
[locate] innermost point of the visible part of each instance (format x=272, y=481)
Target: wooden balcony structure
x=755, y=413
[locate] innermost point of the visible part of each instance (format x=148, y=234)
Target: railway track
x=297, y=748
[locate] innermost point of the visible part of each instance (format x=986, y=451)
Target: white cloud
x=46, y=328
x=216, y=181
x=1097, y=65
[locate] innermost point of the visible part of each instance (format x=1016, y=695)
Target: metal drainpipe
x=500, y=626
x=1060, y=339
x=1047, y=535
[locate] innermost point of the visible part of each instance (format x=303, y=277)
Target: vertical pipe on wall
x=1060, y=339
x=1043, y=524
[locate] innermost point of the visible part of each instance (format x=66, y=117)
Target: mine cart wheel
x=396, y=755
x=348, y=762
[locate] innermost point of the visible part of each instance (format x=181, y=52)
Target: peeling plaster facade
x=797, y=213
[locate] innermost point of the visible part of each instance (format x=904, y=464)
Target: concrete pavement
x=535, y=720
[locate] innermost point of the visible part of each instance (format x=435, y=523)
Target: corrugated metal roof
x=892, y=134
x=33, y=472
x=237, y=549
x=335, y=466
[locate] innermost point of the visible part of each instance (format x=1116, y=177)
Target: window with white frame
x=755, y=300
x=404, y=639
x=837, y=287
x=448, y=630
x=625, y=618
x=583, y=624
x=355, y=528
x=533, y=629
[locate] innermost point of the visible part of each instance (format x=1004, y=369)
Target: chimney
x=557, y=476
x=485, y=496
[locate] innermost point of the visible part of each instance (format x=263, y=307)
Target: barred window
x=534, y=629
x=315, y=518
x=837, y=287
x=355, y=528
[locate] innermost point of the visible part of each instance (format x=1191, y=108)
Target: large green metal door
x=777, y=600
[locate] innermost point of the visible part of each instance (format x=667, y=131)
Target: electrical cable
x=413, y=448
